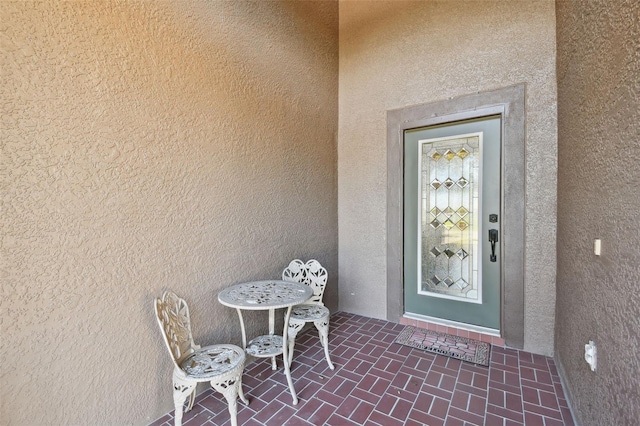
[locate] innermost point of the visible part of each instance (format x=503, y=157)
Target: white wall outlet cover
x=597, y=246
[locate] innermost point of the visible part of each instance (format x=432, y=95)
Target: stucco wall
x=598, y=197
x=395, y=54
x=150, y=146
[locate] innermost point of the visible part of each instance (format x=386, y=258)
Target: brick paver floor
x=380, y=383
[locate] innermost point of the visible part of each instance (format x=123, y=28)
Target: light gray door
x=452, y=259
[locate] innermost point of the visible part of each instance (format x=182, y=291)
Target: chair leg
x=192, y=399
x=181, y=390
x=323, y=333
x=292, y=332
x=231, y=389
x=241, y=393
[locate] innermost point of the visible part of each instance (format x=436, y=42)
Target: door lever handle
x=493, y=239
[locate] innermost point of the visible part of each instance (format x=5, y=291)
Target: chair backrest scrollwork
x=172, y=314
x=311, y=273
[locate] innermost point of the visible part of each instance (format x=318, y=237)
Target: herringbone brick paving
x=380, y=383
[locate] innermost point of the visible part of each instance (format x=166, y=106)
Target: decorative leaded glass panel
x=449, y=191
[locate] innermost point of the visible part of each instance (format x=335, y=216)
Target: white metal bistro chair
x=313, y=310
x=222, y=365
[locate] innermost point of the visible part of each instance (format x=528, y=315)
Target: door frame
x=509, y=103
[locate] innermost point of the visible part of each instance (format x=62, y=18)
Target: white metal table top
x=262, y=295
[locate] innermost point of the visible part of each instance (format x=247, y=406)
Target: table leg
x=285, y=357
x=272, y=325
x=244, y=333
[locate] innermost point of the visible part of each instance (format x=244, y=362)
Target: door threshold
x=458, y=325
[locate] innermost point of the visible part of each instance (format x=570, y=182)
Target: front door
x=452, y=235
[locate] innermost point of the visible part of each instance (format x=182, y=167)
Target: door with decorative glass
x=452, y=259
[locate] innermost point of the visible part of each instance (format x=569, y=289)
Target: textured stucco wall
x=599, y=197
x=395, y=54
x=146, y=146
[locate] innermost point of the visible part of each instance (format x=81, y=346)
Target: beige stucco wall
x=150, y=146
x=395, y=54
x=599, y=197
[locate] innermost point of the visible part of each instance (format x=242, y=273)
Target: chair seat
x=309, y=312
x=212, y=361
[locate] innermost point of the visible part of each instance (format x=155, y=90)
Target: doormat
x=457, y=347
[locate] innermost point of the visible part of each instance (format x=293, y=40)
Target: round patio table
x=267, y=295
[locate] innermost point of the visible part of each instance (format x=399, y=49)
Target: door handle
x=493, y=239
